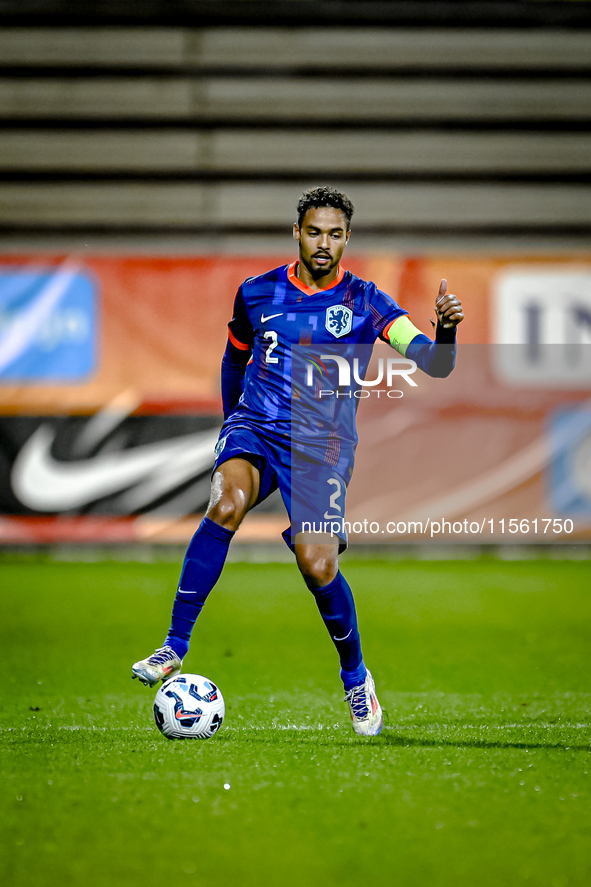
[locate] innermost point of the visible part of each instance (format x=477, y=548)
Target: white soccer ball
x=189, y=707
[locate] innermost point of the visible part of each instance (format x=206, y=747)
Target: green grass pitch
x=479, y=779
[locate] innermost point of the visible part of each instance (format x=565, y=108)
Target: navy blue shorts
x=313, y=493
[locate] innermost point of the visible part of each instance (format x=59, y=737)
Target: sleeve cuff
x=445, y=335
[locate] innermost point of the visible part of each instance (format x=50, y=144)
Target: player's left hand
x=448, y=308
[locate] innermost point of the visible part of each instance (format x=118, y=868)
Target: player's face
x=322, y=237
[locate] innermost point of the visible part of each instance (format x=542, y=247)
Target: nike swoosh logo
x=270, y=317
x=345, y=638
x=183, y=715
x=45, y=484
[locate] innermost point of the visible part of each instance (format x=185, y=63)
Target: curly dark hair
x=324, y=196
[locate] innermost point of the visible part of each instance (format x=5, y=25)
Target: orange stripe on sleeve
x=236, y=343
x=386, y=330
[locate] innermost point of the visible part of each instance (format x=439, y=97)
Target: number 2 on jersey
x=271, y=334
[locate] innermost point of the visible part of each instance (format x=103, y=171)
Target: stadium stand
x=440, y=119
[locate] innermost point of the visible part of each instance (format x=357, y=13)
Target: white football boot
x=160, y=666
x=366, y=712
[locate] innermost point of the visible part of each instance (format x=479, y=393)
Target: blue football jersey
x=289, y=327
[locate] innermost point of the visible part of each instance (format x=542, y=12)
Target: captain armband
x=400, y=334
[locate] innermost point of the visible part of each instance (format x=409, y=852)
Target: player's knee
x=317, y=570
x=227, y=512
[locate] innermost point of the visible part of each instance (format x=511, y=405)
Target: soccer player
x=314, y=302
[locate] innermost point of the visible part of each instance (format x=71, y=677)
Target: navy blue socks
x=337, y=608
x=202, y=566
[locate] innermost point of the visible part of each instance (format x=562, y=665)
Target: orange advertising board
x=108, y=355
x=161, y=322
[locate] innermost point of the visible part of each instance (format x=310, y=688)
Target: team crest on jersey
x=339, y=320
